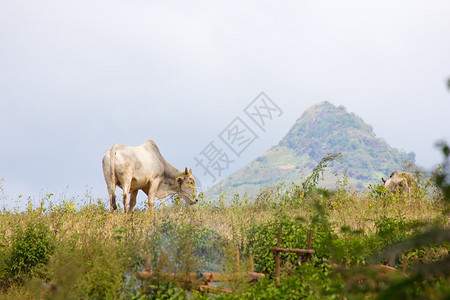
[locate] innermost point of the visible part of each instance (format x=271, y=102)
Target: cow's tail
x=112, y=159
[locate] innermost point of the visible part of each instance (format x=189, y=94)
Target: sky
x=77, y=77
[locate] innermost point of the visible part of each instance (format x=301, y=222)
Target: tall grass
x=80, y=250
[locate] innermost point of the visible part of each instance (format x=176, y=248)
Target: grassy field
x=81, y=251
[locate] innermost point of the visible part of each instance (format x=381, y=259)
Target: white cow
x=144, y=168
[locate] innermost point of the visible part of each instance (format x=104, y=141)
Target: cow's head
x=388, y=181
x=387, y=185
x=395, y=183
x=187, y=186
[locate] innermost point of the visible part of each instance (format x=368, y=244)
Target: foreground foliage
x=81, y=251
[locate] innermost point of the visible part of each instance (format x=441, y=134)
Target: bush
x=263, y=237
x=87, y=267
x=157, y=290
x=31, y=247
x=392, y=230
x=206, y=243
x=310, y=281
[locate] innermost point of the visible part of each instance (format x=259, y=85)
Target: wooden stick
x=209, y=277
x=147, y=262
x=250, y=266
x=292, y=250
x=144, y=275
x=255, y=276
x=383, y=269
x=213, y=289
x=309, y=239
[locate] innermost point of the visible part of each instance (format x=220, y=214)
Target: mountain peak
x=323, y=128
x=326, y=124
x=323, y=107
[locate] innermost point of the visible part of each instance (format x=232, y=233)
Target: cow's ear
x=384, y=180
x=190, y=171
x=179, y=179
x=185, y=171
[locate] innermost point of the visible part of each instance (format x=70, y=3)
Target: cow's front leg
x=152, y=192
x=133, y=199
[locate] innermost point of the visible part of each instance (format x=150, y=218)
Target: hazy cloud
x=79, y=76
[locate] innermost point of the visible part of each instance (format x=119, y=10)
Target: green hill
x=322, y=129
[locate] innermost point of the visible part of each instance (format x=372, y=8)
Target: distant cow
x=144, y=168
x=399, y=183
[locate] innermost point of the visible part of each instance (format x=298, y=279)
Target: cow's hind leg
x=112, y=198
x=133, y=199
x=112, y=202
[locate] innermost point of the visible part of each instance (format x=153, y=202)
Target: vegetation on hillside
x=323, y=128
x=59, y=251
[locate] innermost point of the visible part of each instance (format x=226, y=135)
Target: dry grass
x=358, y=211
x=127, y=236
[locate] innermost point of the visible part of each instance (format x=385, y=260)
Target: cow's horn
x=185, y=171
x=190, y=171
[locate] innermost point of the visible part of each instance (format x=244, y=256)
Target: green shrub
x=263, y=237
x=354, y=246
x=87, y=267
x=158, y=290
x=31, y=247
x=310, y=281
x=206, y=243
x=392, y=230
